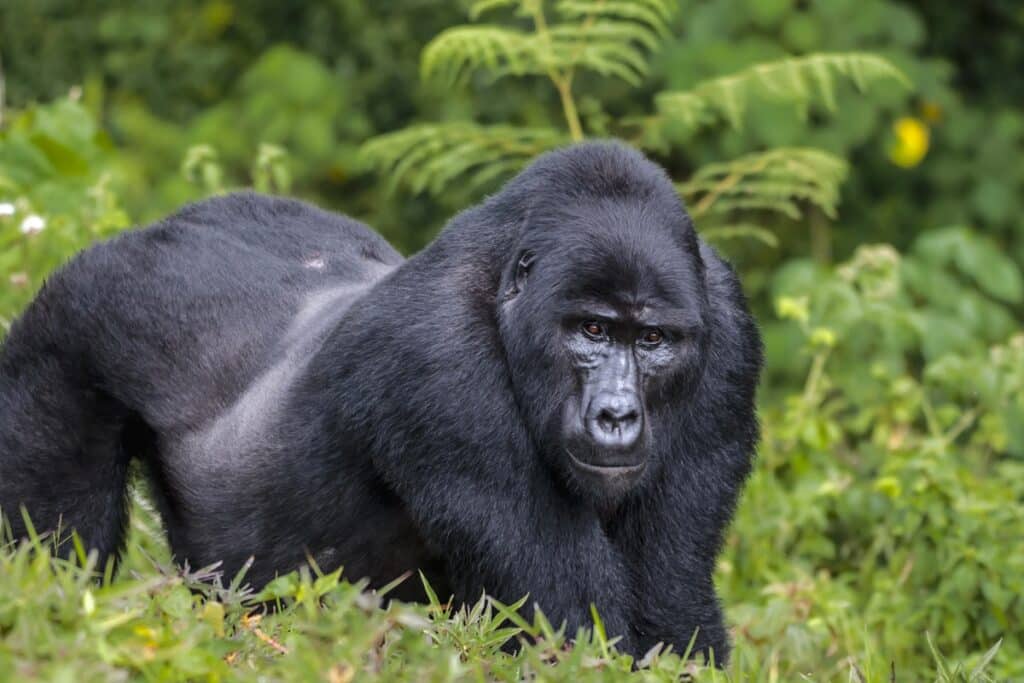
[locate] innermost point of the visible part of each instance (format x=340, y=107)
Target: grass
x=156, y=622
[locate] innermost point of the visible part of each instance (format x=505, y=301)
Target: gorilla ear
x=523, y=265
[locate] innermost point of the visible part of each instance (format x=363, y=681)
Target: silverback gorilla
x=555, y=398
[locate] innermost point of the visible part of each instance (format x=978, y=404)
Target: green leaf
x=978, y=671
x=976, y=256
x=431, y=158
x=794, y=80
x=609, y=38
x=775, y=180
x=724, y=233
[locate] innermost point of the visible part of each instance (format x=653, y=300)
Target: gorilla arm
x=503, y=527
x=672, y=539
x=678, y=528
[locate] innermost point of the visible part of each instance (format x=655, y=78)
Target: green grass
x=155, y=622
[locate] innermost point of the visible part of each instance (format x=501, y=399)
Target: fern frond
x=776, y=180
x=796, y=80
x=784, y=205
x=432, y=157
x=652, y=14
x=607, y=48
x=732, y=231
x=481, y=7
x=610, y=38
x=457, y=52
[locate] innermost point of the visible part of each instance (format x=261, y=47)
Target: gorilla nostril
x=616, y=417
x=611, y=420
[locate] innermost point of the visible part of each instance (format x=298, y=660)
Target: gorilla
x=554, y=398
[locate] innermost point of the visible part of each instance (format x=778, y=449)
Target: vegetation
x=859, y=167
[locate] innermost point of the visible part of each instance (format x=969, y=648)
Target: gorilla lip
x=607, y=470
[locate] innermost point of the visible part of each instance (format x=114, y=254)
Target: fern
x=732, y=231
x=431, y=157
x=615, y=38
x=776, y=180
x=652, y=14
x=457, y=52
x=796, y=80
x=483, y=6
x=610, y=38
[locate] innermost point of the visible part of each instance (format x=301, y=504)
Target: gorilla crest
x=556, y=397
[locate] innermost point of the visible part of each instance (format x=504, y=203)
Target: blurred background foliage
x=888, y=500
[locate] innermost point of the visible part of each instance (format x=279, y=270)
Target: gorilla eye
x=653, y=336
x=594, y=330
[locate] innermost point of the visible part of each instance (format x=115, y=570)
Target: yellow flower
x=911, y=145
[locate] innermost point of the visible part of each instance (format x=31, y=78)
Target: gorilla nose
x=614, y=420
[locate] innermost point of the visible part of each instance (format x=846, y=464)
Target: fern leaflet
x=776, y=180
x=796, y=80
x=431, y=157
x=611, y=38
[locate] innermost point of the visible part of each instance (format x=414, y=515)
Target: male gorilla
x=556, y=397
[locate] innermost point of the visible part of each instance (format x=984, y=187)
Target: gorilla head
x=602, y=314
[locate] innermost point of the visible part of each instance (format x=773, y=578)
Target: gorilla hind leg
x=62, y=455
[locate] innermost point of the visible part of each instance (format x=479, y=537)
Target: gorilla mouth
x=607, y=471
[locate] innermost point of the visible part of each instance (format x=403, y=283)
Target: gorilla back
x=556, y=397
x=177, y=344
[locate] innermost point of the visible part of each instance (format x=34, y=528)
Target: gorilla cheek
x=571, y=427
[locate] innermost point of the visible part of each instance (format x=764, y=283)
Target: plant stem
x=726, y=184
x=572, y=117
x=963, y=424
x=562, y=82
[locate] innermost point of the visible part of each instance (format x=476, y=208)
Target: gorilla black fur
x=295, y=389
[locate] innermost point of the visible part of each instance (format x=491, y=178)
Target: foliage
x=799, y=80
x=965, y=170
x=608, y=38
x=882, y=528
x=158, y=623
x=286, y=98
x=615, y=39
x=886, y=487
x=778, y=180
x=431, y=157
x=55, y=196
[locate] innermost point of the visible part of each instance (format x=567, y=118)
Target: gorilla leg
x=61, y=450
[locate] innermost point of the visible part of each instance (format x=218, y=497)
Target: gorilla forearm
x=563, y=568
x=671, y=532
x=516, y=535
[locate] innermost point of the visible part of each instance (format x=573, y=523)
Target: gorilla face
x=603, y=326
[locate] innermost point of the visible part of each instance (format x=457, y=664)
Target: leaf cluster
x=781, y=180
x=609, y=38
x=617, y=39
x=800, y=81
